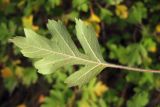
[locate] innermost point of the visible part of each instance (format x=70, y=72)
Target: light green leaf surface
x=84, y=75
x=87, y=37
x=61, y=50
x=61, y=35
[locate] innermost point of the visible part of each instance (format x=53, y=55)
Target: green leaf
x=113, y=2
x=54, y=3
x=61, y=50
x=29, y=76
x=106, y=15
x=81, y=5
x=10, y=83
x=125, y=55
x=7, y=31
x=137, y=13
x=138, y=100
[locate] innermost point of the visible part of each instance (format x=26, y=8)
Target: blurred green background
x=128, y=32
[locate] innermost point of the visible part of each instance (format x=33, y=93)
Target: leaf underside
x=60, y=50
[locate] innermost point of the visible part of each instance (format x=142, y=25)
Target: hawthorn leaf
x=60, y=50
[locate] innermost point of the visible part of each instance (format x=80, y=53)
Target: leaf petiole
x=130, y=68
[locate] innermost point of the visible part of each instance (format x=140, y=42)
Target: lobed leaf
x=52, y=54
x=61, y=50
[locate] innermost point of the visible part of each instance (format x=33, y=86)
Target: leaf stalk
x=130, y=68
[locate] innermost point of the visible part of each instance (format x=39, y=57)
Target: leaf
x=29, y=76
x=7, y=30
x=126, y=55
x=81, y=5
x=114, y=2
x=10, y=83
x=54, y=3
x=137, y=13
x=140, y=99
x=61, y=50
x=106, y=15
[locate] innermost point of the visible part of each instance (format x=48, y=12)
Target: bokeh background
x=128, y=32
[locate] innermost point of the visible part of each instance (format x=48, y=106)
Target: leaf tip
x=49, y=21
x=13, y=40
x=78, y=20
x=68, y=82
x=26, y=29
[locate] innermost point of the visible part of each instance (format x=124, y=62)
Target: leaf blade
x=84, y=75
x=61, y=50
x=59, y=32
x=87, y=37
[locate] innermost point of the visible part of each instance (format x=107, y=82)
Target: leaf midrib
x=79, y=58
x=87, y=72
x=89, y=45
x=64, y=41
x=53, y=62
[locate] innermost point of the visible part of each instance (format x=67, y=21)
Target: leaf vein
x=65, y=41
x=89, y=45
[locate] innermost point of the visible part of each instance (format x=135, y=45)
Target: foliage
x=128, y=33
x=138, y=100
x=62, y=51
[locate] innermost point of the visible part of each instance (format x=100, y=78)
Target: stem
x=130, y=68
x=91, y=10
